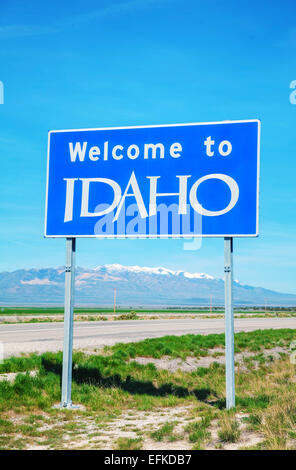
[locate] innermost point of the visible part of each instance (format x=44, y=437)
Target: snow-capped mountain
x=159, y=270
x=134, y=285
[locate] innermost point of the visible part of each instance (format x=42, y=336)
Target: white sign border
x=177, y=237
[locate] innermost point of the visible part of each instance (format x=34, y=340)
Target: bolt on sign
x=122, y=182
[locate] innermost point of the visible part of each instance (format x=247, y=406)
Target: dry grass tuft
x=229, y=428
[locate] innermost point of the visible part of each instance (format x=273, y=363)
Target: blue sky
x=82, y=64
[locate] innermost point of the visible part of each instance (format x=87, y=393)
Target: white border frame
x=177, y=237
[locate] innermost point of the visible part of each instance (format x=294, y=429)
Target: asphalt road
x=41, y=337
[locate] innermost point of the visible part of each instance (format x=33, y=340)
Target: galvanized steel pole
x=68, y=323
x=229, y=322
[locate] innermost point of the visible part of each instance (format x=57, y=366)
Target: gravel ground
x=134, y=424
x=191, y=363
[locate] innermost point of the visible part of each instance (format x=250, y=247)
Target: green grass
x=198, y=431
x=229, y=428
x=124, y=316
x=254, y=420
x=89, y=310
x=110, y=383
x=11, y=315
x=128, y=316
x=21, y=364
x=198, y=345
x=6, y=426
x=165, y=431
x=94, y=310
x=124, y=443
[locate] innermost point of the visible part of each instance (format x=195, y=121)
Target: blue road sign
x=180, y=180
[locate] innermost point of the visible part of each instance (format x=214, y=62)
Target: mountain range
x=135, y=286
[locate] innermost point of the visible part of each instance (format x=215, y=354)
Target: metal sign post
x=205, y=174
x=229, y=322
x=68, y=323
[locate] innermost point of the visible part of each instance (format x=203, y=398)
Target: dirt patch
x=134, y=424
x=88, y=433
x=10, y=376
x=247, y=438
x=190, y=364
